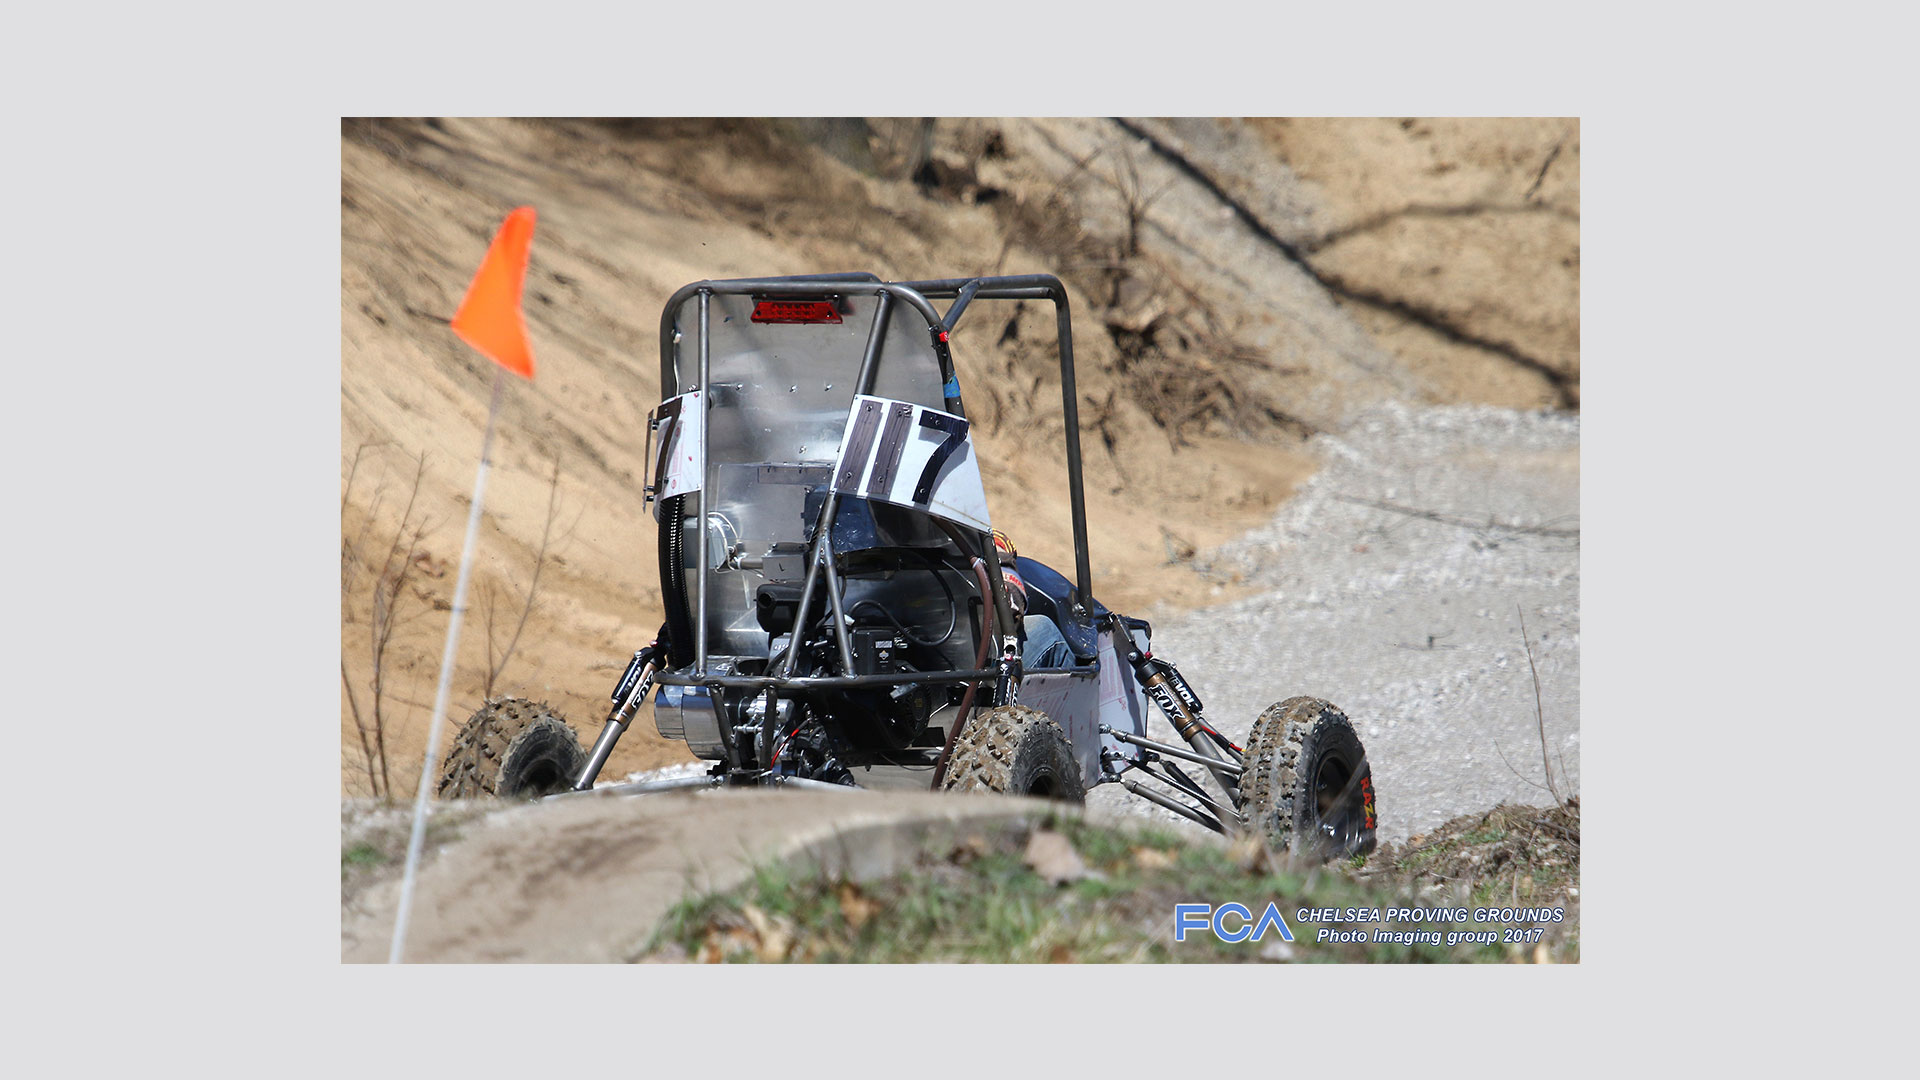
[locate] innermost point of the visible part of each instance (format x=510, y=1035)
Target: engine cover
x=686, y=713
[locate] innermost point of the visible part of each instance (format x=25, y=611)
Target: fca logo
x=1202, y=916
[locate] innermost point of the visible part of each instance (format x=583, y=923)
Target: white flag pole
x=417, y=840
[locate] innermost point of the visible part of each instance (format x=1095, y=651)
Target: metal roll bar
x=916, y=296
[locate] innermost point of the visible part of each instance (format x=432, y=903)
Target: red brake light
x=795, y=311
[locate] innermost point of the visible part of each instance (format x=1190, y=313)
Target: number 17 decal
x=910, y=455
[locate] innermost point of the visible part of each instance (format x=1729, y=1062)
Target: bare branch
x=533, y=585
x=1539, y=713
x=1072, y=177
x=1542, y=174
x=1465, y=523
x=352, y=471
x=388, y=590
x=1516, y=772
x=366, y=748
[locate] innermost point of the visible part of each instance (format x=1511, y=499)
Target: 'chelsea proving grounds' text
x=1235, y=923
x=1428, y=935
x=1430, y=915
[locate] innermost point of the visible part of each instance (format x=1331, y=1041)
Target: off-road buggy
x=837, y=613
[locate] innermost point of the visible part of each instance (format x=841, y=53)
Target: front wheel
x=1310, y=788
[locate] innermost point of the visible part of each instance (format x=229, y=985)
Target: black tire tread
x=1273, y=758
x=1000, y=747
x=495, y=732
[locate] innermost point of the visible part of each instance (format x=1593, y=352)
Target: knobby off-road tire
x=1309, y=786
x=1014, y=750
x=512, y=748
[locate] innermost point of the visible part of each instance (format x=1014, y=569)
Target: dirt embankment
x=1237, y=287
x=908, y=877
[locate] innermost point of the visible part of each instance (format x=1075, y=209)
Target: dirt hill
x=1238, y=286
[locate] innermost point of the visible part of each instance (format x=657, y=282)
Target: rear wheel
x=1310, y=788
x=513, y=748
x=1014, y=750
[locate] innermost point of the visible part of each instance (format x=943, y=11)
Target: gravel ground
x=1410, y=625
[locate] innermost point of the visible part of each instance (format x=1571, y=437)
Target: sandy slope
x=1222, y=317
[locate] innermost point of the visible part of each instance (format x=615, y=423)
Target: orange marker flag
x=490, y=318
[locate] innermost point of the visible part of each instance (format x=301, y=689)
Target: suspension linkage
x=1173, y=751
x=1180, y=782
x=1111, y=775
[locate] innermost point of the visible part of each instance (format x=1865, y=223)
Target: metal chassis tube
x=1220, y=817
x=1235, y=769
x=1172, y=804
x=647, y=787
x=823, y=525
x=1038, y=287
x=706, y=481
x=1174, y=778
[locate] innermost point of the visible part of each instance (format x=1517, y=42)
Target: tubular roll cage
x=916, y=296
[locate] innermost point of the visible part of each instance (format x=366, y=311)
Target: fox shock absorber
x=1181, y=706
x=1170, y=691
x=627, y=696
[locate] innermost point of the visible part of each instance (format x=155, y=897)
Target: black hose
x=673, y=585
x=979, y=662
